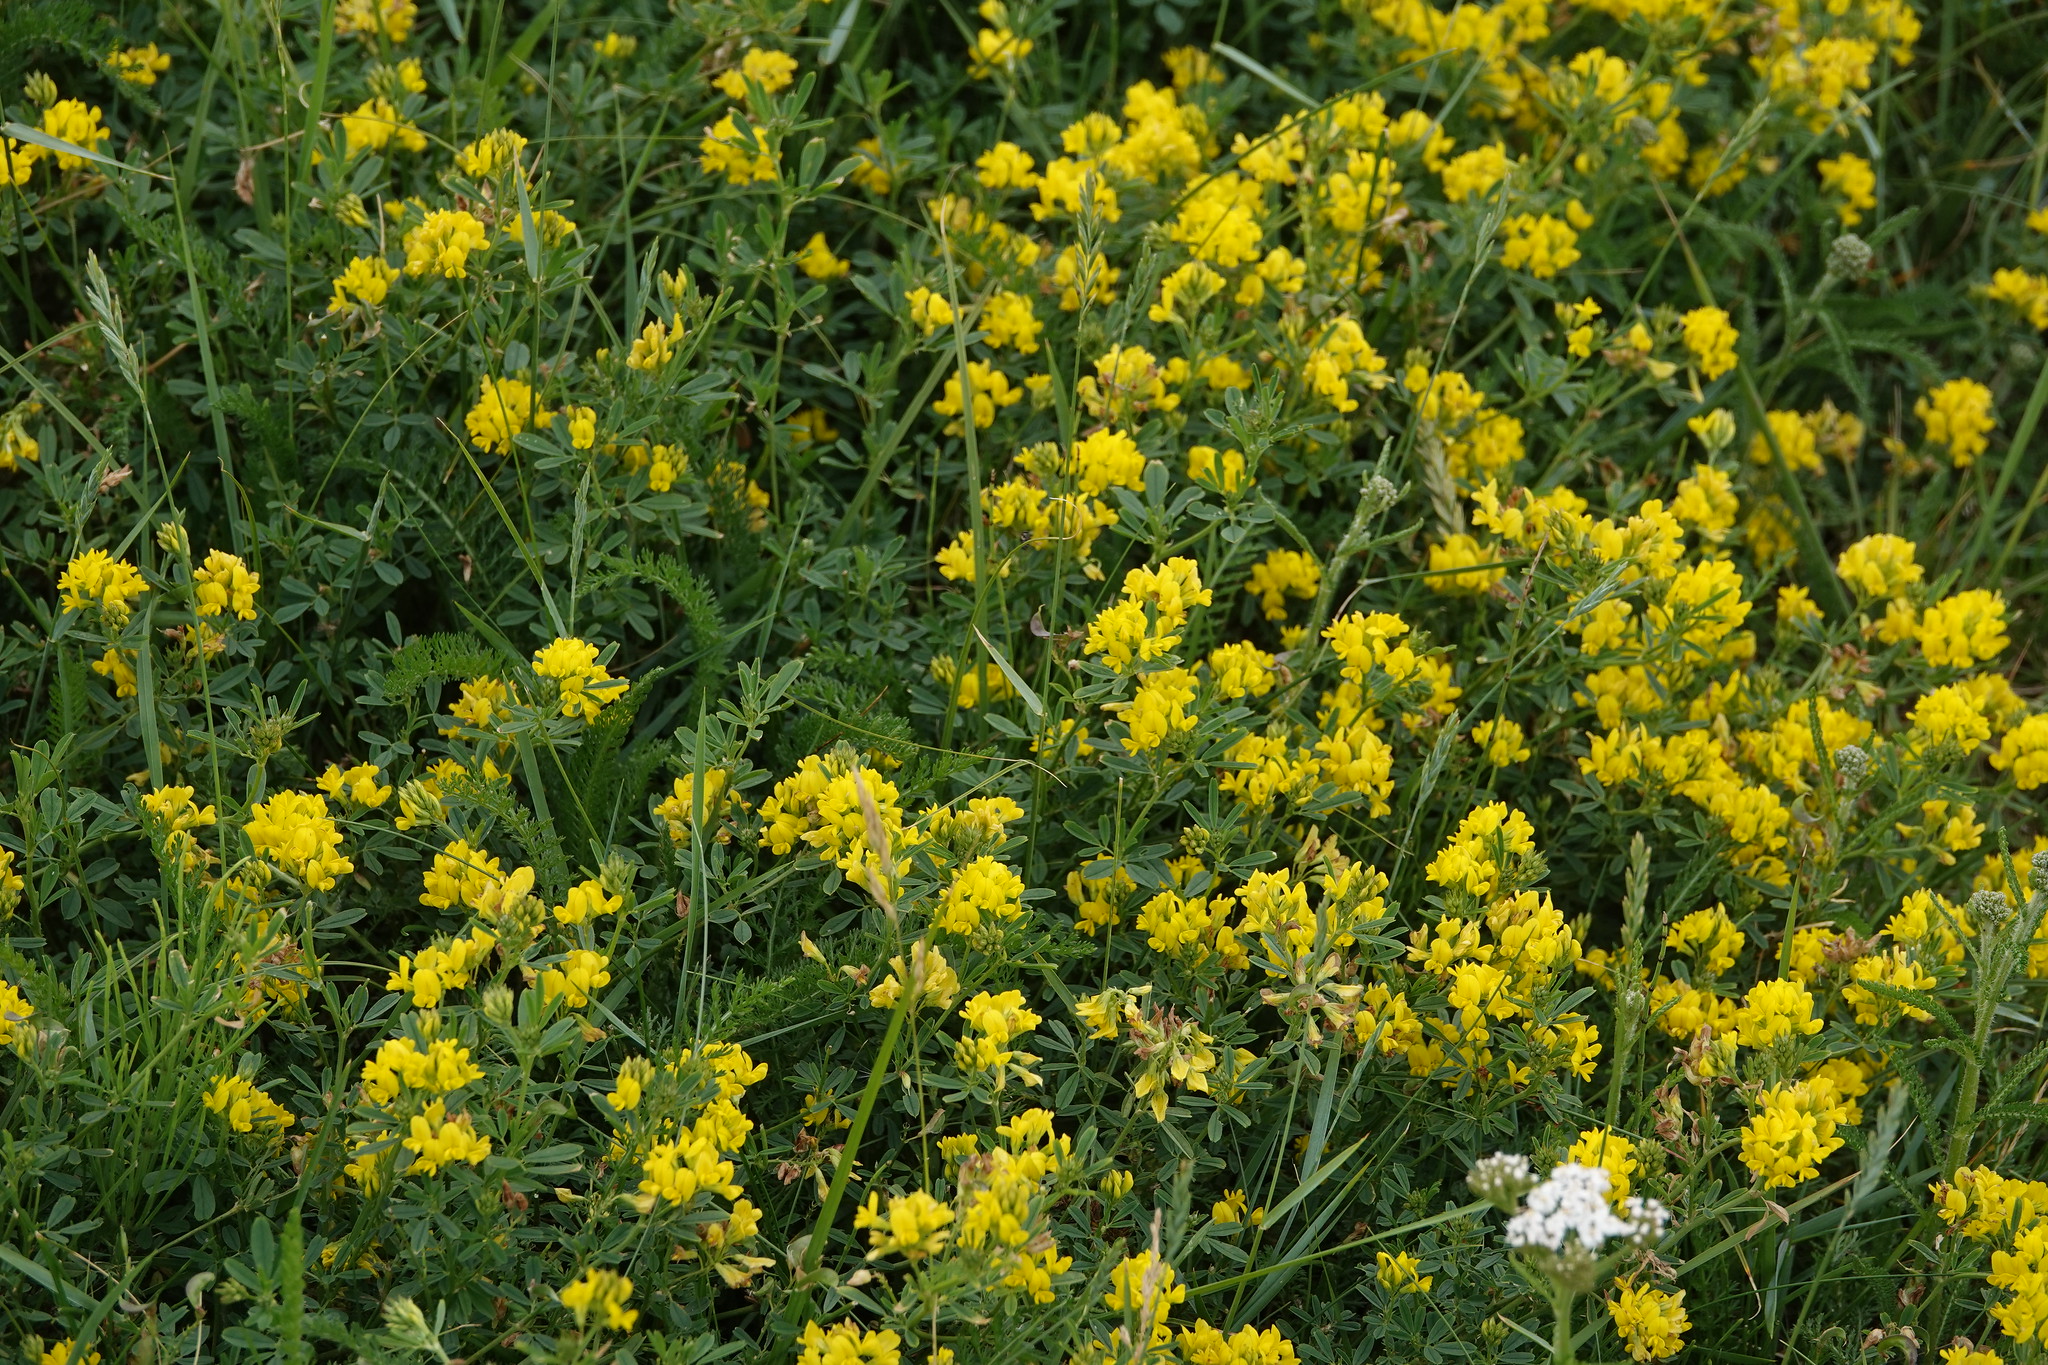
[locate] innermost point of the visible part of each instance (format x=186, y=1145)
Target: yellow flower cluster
x=601, y=1294
x=583, y=686
x=295, y=834
x=237, y=1100
x=1651, y=1322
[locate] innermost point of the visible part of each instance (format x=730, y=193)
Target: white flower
x=1646, y=1219
x=1501, y=1179
x=1571, y=1206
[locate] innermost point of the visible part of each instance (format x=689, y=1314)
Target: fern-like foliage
x=435, y=658
x=31, y=32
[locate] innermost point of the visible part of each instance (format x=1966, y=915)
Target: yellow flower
x=495, y=152
x=1501, y=742
x=1223, y=471
x=370, y=19
x=1773, y=1010
x=931, y=977
x=771, y=70
x=996, y=49
x=984, y=887
x=1949, y=715
x=1005, y=166
x=236, y=1099
x=504, y=409
x=1398, y=1272
x=1460, y=565
x=817, y=260
x=1611, y=1152
x=615, y=47
x=916, y=1225
x=551, y=226
x=97, y=579
x=14, y=1006
x=1852, y=178
x=293, y=832
x=583, y=973
x=66, y=1352
x=654, y=348
x=871, y=171
x=16, y=444
x=1539, y=244
x=1009, y=320
x=139, y=65
x=357, y=785
x=1791, y=1133
x=2024, y=753
x=1958, y=416
x=1795, y=440
x=1476, y=172
x=604, y=1291
x=376, y=124
x=1711, y=338
x=367, y=280
x=1796, y=606
x=435, y=1140
x=224, y=584
x=2025, y=291
x=584, y=686
x=989, y=388
x=75, y=122
x=1894, y=969
x=117, y=666
x=1709, y=938
x=929, y=311
x=1879, y=566
x=741, y=158
x=1963, y=629
x=1077, y=277
x=442, y=243
x=1650, y=1322
x=847, y=1343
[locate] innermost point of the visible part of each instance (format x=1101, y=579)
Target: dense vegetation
x=865, y=682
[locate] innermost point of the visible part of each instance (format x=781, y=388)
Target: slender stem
x=800, y=1302
x=2014, y=453
x=1561, y=1333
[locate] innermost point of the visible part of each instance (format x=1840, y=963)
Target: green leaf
x=1031, y=701
x=36, y=137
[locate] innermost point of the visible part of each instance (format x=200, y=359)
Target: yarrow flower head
x=1565, y=1221
x=1501, y=1179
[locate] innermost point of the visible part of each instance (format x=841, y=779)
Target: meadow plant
x=1167, y=682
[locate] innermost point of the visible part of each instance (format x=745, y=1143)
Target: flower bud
x=1850, y=257
x=1988, y=909
x=1377, y=495
x=1715, y=429
x=1853, y=763
x=40, y=89
x=497, y=1005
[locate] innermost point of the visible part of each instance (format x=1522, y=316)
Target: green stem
x=800, y=1302
x=2014, y=453
x=1561, y=1333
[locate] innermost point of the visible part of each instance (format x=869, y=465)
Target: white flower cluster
x=1571, y=1206
x=1502, y=1179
